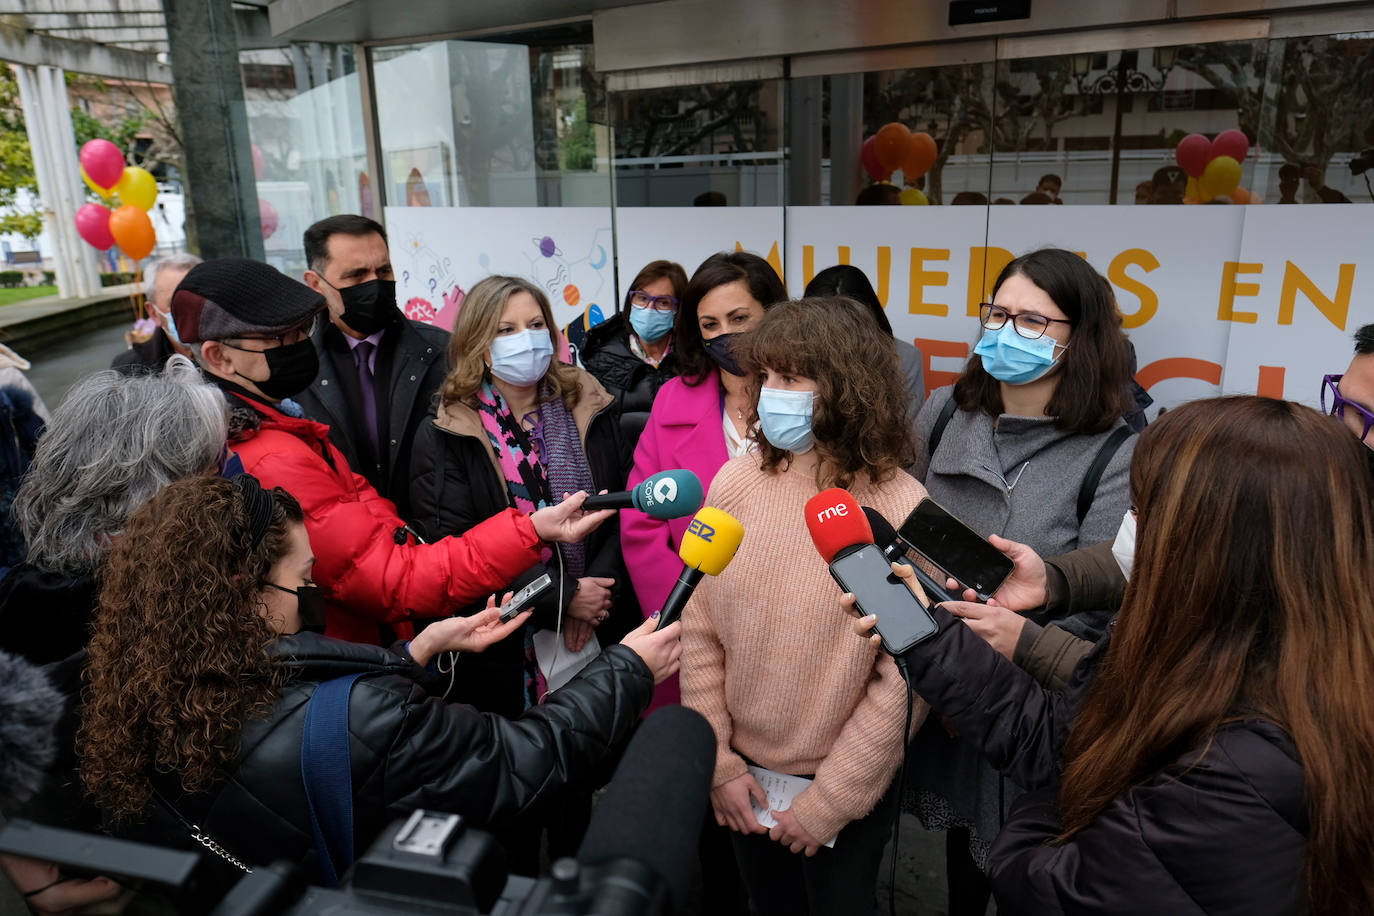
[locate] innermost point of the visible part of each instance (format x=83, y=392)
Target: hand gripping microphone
x=667, y=494
x=842, y=534
x=886, y=537
x=708, y=547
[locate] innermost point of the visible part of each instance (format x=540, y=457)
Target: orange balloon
x=920, y=156
x=133, y=232
x=1240, y=195
x=890, y=144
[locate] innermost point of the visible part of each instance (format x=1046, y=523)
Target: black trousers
x=839, y=880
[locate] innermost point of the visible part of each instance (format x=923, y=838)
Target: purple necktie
x=361, y=354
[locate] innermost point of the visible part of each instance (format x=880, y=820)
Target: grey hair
x=182, y=261
x=111, y=446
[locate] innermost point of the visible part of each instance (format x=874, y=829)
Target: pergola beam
x=35, y=50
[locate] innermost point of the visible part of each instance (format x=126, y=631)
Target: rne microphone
x=844, y=538
x=667, y=494
x=886, y=537
x=707, y=547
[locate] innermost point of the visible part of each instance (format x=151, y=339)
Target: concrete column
x=222, y=200
x=804, y=141
x=48, y=122
x=846, y=137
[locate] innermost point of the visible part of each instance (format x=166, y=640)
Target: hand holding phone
x=521, y=599
x=956, y=548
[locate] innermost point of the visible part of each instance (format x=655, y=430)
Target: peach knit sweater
x=771, y=660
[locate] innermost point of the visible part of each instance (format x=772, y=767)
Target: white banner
x=690, y=235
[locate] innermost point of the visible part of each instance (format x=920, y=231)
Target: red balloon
x=93, y=225
x=1231, y=143
x=270, y=218
x=1193, y=153
x=259, y=162
x=869, y=157
x=890, y=145
x=103, y=162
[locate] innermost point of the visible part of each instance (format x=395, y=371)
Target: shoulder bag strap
x=327, y=772
x=1088, y=490
x=937, y=431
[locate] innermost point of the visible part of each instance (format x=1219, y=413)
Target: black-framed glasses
x=1340, y=404
x=300, y=332
x=641, y=299
x=1028, y=324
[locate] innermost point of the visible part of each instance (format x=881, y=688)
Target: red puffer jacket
x=369, y=576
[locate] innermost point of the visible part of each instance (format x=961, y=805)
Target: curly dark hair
x=859, y=420
x=178, y=659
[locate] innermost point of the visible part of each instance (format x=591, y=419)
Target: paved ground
x=55, y=368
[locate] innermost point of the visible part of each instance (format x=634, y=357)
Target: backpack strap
x=1088, y=490
x=327, y=772
x=937, y=431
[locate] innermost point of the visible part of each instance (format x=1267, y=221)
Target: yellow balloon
x=137, y=187
x=103, y=192
x=913, y=197
x=1220, y=178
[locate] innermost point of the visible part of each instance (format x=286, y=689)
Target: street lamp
x=1118, y=82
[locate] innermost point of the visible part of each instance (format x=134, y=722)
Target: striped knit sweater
x=771, y=659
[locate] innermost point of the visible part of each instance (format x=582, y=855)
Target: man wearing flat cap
x=250, y=326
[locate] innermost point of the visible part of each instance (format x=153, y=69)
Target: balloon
x=103, y=162
x=869, y=157
x=138, y=187
x=1240, y=196
x=890, y=145
x=93, y=225
x=1192, y=154
x=1191, y=193
x=270, y=218
x=133, y=231
x=259, y=162
x=103, y=192
x=1220, y=178
x=912, y=197
x=920, y=156
x=1231, y=143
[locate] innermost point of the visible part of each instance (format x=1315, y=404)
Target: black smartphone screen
x=902, y=620
x=955, y=548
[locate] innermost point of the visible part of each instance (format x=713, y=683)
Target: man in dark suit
x=379, y=371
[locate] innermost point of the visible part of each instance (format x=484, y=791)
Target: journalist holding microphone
x=765, y=658
x=1212, y=753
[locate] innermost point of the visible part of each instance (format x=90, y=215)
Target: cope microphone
x=708, y=547
x=844, y=538
x=667, y=494
x=886, y=537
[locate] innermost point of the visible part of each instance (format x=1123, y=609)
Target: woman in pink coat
x=698, y=419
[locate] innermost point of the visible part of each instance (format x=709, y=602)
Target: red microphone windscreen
x=836, y=521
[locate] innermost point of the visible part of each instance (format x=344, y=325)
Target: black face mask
x=309, y=605
x=722, y=350
x=291, y=369
x=369, y=307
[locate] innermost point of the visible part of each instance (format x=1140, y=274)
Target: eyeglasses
x=1340, y=403
x=643, y=300
x=1028, y=324
x=294, y=335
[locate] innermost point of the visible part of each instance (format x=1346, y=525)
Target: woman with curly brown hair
x=199, y=679
x=765, y=658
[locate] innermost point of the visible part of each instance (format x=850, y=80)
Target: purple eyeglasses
x=1339, y=404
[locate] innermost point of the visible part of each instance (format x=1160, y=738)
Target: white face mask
x=523, y=358
x=1123, y=548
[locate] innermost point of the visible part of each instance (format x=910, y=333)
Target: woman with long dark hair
x=1213, y=753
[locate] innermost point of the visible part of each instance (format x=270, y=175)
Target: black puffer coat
x=408, y=749
x=606, y=354
x=1221, y=831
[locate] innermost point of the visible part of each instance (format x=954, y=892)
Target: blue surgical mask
x=1011, y=358
x=171, y=327
x=651, y=324
x=523, y=358
x=785, y=418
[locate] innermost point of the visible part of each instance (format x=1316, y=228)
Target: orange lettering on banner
x=774, y=260
x=921, y=278
x=982, y=276
x=1270, y=382
x=1336, y=310
x=844, y=254
x=808, y=263
x=884, y=272
x=1178, y=367
x=1149, y=299
x=930, y=349
x=1230, y=289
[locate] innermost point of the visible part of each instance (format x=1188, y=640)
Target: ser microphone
x=841, y=532
x=708, y=547
x=665, y=495
x=886, y=537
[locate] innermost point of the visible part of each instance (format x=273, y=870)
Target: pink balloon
x=1231, y=143
x=270, y=218
x=1193, y=153
x=93, y=225
x=868, y=155
x=103, y=162
x=259, y=162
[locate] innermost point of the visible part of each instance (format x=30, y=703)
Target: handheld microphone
x=708, y=547
x=665, y=495
x=886, y=537
x=842, y=534
x=31, y=709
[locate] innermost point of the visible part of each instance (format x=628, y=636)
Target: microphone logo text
x=837, y=511
x=701, y=529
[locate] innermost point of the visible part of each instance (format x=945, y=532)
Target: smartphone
x=521, y=599
x=902, y=620
x=956, y=548
x=86, y=855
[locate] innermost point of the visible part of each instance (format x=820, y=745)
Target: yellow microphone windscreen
x=711, y=541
